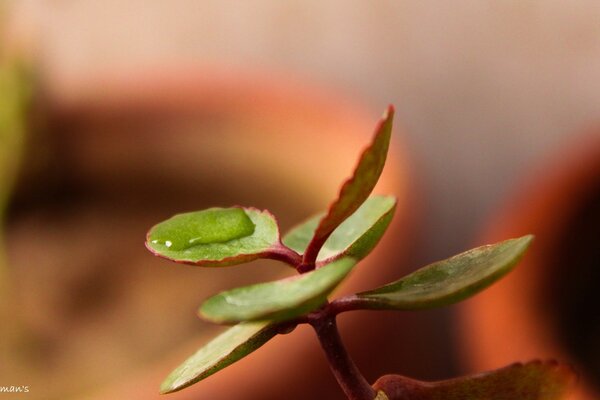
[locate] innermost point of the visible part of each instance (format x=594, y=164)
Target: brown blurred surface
x=484, y=88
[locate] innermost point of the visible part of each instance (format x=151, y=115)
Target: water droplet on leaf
x=214, y=225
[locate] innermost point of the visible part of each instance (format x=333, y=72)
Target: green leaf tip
x=278, y=300
x=215, y=236
x=536, y=380
x=449, y=281
x=225, y=349
x=355, y=237
x=356, y=189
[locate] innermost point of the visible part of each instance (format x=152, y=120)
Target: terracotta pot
x=547, y=307
x=124, y=152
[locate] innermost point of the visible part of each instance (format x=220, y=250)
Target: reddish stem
x=309, y=258
x=283, y=253
x=349, y=303
x=353, y=383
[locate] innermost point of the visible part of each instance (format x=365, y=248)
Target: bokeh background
x=486, y=92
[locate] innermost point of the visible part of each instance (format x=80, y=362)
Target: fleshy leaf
x=227, y=348
x=355, y=237
x=278, y=300
x=531, y=381
x=215, y=236
x=448, y=281
x=356, y=189
x=215, y=225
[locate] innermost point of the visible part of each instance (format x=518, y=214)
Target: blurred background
x=490, y=97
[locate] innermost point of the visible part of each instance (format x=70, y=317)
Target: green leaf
x=278, y=300
x=215, y=225
x=531, y=381
x=449, y=281
x=355, y=237
x=356, y=189
x=215, y=237
x=227, y=348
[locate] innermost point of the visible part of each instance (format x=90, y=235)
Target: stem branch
x=350, y=303
x=283, y=253
x=353, y=383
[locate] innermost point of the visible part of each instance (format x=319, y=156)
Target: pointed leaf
x=215, y=236
x=532, y=381
x=278, y=300
x=356, y=189
x=227, y=348
x=448, y=281
x=355, y=237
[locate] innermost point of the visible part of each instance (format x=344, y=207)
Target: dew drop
x=214, y=225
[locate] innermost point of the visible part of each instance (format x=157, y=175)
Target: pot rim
x=185, y=90
x=544, y=202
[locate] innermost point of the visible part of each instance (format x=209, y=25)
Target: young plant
x=324, y=250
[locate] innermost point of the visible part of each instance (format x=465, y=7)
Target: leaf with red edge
x=536, y=380
x=219, y=237
x=355, y=237
x=229, y=347
x=279, y=300
x=356, y=189
x=448, y=281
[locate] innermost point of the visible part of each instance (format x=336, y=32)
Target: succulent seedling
x=324, y=250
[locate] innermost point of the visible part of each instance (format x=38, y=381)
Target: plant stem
x=353, y=383
x=283, y=253
x=350, y=303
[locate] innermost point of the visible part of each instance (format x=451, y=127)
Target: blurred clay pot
x=121, y=153
x=547, y=307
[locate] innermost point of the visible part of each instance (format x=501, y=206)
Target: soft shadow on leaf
x=448, y=281
x=535, y=380
x=357, y=188
x=227, y=348
x=215, y=236
x=355, y=237
x=278, y=300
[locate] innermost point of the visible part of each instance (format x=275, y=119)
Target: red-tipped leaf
x=218, y=237
x=356, y=189
x=534, y=380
